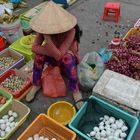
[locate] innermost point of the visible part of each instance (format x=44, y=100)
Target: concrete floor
x=96, y=34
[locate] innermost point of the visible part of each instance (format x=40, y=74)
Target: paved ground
x=96, y=34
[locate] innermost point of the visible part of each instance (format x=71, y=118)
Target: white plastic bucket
x=12, y=31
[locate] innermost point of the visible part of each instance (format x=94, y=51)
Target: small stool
x=112, y=11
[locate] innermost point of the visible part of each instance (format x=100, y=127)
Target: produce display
x=109, y=129
x=38, y=137
x=13, y=83
x=2, y=100
x=6, y=18
x=7, y=123
x=6, y=62
x=29, y=40
x=126, y=58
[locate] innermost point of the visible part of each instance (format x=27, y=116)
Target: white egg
x=106, y=117
x=107, y=122
x=124, y=128
x=108, y=132
x=11, y=119
x=110, y=138
x=46, y=138
x=101, y=127
x=12, y=125
x=115, y=138
x=2, y=134
x=14, y=114
x=36, y=136
x=7, y=124
x=7, y=130
x=116, y=134
x=6, y=120
x=117, y=122
x=114, y=126
x=119, y=125
x=5, y=117
x=101, y=123
x=123, y=135
x=107, y=127
x=10, y=112
x=96, y=129
x=121, y=121
x=119, y=131
x=54, y=139
x=97, y=135
x=103, y=133
x=92, y=133
x=3, y=126
x=30, y=138
x=2, y=121
x=41, y=138
x=111, y=119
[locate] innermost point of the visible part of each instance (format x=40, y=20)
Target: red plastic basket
x=22, y=90
x=2, y=44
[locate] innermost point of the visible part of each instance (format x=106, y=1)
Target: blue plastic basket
x=131, y=121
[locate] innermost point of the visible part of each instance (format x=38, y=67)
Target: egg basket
x=15, y=55
x=22, y=111
x=9, y=99
x=14, y=72
x=99, y=109
x=47, y=127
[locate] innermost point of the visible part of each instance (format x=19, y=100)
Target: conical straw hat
x=53, y=19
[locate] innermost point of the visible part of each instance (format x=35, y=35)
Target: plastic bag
x=90, y=69
x=52, y=82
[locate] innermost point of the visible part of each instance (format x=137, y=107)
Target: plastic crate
x=111, y=110
x=46, y=126
x=11, y=53
x=22, y=110
x=27, y=53
x=9, y=99
x=130, y=32
x=6, y=75
x=2, y=43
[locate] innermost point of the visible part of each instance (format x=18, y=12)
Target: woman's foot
x=78, y=96
x=31, y=95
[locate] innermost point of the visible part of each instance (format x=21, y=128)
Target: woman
x=56, y=42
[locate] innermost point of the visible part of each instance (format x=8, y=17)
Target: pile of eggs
x=109, y=129
x=6, y=62
x=37, y=137
x=7, y=123
x=13, y=83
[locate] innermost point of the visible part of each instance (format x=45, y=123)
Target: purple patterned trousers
x=68, y=63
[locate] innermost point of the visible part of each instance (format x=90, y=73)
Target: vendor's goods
x=39, y=137
x=109, y=128
x=8, y=122
x=7, y=18
x=6, y=62
x=126, y=58
x=2, y=100
x=13, y=83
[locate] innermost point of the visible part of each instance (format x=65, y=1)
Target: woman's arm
x=37, y=43
x=48, y=48
x=70, y=35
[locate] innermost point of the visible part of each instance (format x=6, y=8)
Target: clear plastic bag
x=90, y=69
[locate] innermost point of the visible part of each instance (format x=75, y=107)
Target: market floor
x=96, y=34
